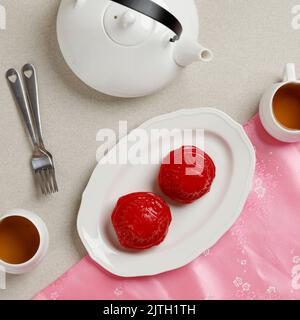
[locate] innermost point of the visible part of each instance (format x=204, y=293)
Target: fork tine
x=50, y=182
x=54, y=180
x=40, y=181
x=45, y=181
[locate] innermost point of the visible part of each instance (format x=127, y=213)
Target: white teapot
x=129, y=48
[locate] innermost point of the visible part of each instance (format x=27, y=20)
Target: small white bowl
x=43, y=247
x=268, y=119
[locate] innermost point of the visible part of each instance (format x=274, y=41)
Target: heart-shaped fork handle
x=30, y=81
x=18, y=92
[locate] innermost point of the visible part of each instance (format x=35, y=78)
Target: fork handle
x=18, y=92
x=30, y=81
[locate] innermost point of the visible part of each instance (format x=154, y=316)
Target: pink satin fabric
x=259, y=258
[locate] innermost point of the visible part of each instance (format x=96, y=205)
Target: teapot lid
x=156, y=12
x=125, y=26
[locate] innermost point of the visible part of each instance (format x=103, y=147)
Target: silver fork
x=31, y=84
x=41, y=161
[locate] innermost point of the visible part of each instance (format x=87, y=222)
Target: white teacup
x=266, y=112
x=41, y=249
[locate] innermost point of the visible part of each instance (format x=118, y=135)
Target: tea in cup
x=280, y=108
x=24, y=241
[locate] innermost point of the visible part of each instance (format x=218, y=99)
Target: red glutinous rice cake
x=141, y=220
x=186, y=174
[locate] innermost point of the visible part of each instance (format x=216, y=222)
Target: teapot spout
x=188, y=51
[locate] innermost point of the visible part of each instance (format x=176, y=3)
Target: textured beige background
x=251, y=41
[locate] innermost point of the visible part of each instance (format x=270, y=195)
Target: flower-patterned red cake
x=186, y=174
x=141, y=220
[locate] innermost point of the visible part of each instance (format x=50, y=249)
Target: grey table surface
x=251, y=41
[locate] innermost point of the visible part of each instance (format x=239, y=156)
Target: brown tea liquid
x=286, y=106
x=19, y=240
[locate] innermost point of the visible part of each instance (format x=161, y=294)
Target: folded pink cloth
x=259, y=258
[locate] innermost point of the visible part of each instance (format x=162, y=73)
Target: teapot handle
x=156, y=12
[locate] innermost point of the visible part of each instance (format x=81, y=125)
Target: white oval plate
x=195, y=227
